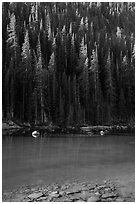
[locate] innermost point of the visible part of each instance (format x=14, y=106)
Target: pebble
x=55, y=192
x=101, y=187
x=107, y=190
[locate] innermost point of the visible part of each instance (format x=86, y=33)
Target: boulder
x=76, y=189
x=74, y=197
x=84, y=195
x=34, y=196
x=94, y=198
x=54, y=194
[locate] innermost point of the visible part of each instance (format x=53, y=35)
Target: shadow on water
x=46, y=159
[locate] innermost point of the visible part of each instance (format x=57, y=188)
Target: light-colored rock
x=80, y=200
x=91, y=186
x=119, y=199
x=97, y=193
x=49, y=199
x=109, y=199
x=35, y=195
x=84, y=195
x=101, y=187
x=94, y=198
x=62, y=193
x=76, y=189
x=42, y=198
x=64, y=187
x=54, y=194
x=63, y=199
x=74, y=197
x=107, y=190
x=109, y=195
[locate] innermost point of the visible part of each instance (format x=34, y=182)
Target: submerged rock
x=70, y=192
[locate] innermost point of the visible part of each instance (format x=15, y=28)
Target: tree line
x=68, y=63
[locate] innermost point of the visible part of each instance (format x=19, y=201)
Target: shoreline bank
x=11, y=127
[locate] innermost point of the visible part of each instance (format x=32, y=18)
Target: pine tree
x=39, y=81
x=26, y=74
x=12, y=37
x=70, y=55
x=94, y=69
x=52, y=81
x=110, y=88
x=12, y=45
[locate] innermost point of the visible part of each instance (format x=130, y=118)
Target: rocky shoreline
x=11, y=128
x=107, y=191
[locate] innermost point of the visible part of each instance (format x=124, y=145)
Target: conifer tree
x=12, y=47
x=25, y=73
x=39, y=81
x=79, y=56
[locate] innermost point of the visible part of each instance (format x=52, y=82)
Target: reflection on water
x=44, y=160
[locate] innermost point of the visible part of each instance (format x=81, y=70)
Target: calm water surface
x=45, y=160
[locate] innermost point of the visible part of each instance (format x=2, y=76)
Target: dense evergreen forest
x=68, y=63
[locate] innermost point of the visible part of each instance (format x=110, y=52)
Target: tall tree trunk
x=36, y=111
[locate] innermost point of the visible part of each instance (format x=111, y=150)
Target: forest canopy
x=68, y=63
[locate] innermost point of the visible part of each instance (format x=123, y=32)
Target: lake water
x=45, y=160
